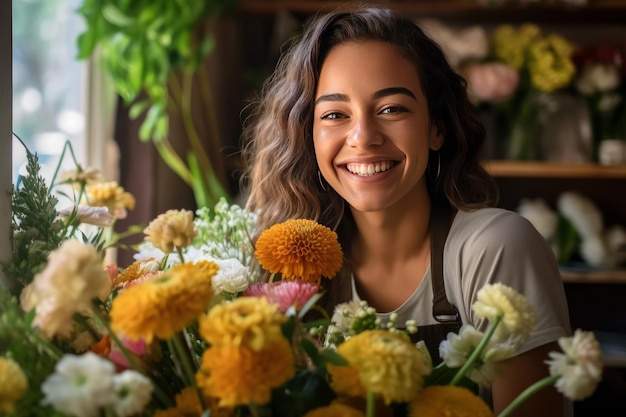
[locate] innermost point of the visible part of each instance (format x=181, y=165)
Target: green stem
x=161, y=396
x=477, y=352
x=183, y=358
x=179, y=251
x=370, y=410
x=527, y=393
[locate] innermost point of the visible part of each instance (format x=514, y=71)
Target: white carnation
x=133, y=392
x=232, y=277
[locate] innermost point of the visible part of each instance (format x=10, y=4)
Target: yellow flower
x=335, y=410
x=519, y=317
x=510, y=44
x=550, y=63
x=388, y=364
x=449, y=401
x=13, y=384
x=249, y=321
x=164, y=304
x=240, y=375
x=172, y=229
x=110, y=195
x=300, y=250
x=136, y=270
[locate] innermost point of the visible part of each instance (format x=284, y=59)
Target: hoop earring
x=319, y=177
x=438, y=168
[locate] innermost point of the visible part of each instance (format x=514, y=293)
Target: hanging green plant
x=153, y=50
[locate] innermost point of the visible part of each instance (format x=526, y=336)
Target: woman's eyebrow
x=393, y=90
x=378, y=94
x=332, y=97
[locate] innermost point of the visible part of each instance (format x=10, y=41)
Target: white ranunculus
x=80, y=385
x=232, y=277
x=470, y=43
x=579, y=366
x=133, y=392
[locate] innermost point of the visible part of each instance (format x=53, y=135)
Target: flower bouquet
x=600, y=80
x=190, y=329
x=524, y=67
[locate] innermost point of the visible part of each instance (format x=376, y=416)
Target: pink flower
x=492, y=81
x=134, y=347
x=284, y=294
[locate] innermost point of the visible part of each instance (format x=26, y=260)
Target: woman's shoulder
x=489, y=224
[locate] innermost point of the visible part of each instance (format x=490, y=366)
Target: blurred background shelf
x=594, y=277
x=554, y=170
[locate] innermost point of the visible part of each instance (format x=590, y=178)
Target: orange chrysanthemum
x=448, y=400
x=249, y=321
x=385, y=363
x=188, y=405
x=136, y=270
x=164, y=304
x=240, y=375
x=335, y=410
x=300, y=250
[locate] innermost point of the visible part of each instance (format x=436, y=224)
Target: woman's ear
x=437, y=136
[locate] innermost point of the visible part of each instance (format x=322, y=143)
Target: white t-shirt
x=492, y=245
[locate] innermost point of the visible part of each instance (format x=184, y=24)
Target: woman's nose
x=364, y=133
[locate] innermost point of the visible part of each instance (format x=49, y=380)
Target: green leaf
x=306, y=391
x=115, y=16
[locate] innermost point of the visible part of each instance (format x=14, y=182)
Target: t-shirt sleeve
x=502, y=246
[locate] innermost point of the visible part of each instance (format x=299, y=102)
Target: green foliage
x=37, y=361
x=36, y=228
x=142, y=42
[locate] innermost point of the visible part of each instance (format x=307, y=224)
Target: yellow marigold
x=240, y=375
x=388, y=365
x=136, y=270
x=300, y=250
x=335, y=410
x=164, y=304
x=110, y=195
x=13, y=384
x=249, y=321
x=172, y=229
x=449, y=401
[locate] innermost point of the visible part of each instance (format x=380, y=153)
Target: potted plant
x=153, y=51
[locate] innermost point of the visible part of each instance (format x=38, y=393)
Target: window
x=48, y=82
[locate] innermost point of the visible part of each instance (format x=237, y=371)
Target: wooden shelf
x=594, y=277
x=604, y=11
x=554, y=170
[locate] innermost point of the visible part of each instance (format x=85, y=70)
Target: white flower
x=540, y=215
x=133, y=392
x=456, y=349
x=97, y=216
x=580, y=366
x=497, y=299
x=80, y=385
x=595, y=251
x=344, y=315
x=232, y=276
x=598, y=77
x=471, y=43
x=582, y=212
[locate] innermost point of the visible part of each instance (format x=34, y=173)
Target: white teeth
x=366, y=170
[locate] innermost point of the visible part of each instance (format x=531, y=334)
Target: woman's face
x=371, y=128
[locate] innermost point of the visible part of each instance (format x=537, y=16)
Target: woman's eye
x=392, y=110
x=331, y=116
